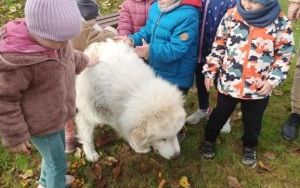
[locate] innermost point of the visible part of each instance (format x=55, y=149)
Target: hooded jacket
x=245, y=55
x=37, y=92
x=173, y=42
x=133, y=16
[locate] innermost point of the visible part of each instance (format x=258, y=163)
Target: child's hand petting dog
x=93, y=62
x=142, y=51
x=21, y=148
x=125, y=39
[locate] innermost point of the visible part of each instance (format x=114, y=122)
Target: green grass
x=141, y=171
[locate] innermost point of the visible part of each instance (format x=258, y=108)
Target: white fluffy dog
x=123, y=92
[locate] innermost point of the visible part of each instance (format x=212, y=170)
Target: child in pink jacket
x=133, y=16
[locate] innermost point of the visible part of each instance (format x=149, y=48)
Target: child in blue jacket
x=169, y=40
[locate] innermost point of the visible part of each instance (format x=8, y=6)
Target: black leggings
x=203, y=95
x=252, y=113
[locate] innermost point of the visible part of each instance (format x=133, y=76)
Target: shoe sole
x=287, y=138
x=208, y=157
x=250, y=165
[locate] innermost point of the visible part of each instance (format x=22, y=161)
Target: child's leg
x=219, y=116
x=202, y=94
x=54, y=166
x=70, y=136
x=252, y=111
x=203, y=110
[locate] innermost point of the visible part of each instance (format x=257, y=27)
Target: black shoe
x=249, y=157
x=208, y=150
x=181, y=135
x=289, y=129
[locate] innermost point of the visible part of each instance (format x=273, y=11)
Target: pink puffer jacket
x=133, y=16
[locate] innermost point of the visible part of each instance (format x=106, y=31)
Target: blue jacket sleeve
x=143, y=33
x=181, y=39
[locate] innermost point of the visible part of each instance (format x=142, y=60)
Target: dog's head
x=156, y=115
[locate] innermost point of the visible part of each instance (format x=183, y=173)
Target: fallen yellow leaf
x=184, y=182
x=263, y=166
x=233, y=182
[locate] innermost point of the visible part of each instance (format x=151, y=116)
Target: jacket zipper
x=156, y=24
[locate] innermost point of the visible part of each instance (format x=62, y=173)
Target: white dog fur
x=123, y=92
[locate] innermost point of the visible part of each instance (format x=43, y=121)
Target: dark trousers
x=203, y=95
x=252, y=113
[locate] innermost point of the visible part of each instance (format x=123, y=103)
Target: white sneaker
x=197, y=116
x=226, y=127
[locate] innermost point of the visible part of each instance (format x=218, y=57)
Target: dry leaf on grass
x=27, y=174
x=109, y=161
x=233, y=182
x=278, y=92
x=100, y=181
x=296, y=151
x=184, y=182
x=77, y=183
x=112, y=159
x=162, y=183
x=25, y=182
x=264, y=166
x=117, y=171
x=26, y=178
x=270, y=155
x=97, y=171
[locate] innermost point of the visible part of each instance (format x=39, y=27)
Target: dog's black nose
x=176, y=156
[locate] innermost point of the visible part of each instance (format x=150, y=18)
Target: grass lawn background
x=279, y=159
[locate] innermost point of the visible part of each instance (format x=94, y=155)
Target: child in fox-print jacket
x=252, y=52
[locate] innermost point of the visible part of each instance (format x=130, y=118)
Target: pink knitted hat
x=57, y=20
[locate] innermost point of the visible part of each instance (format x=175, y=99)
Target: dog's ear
x=138, y=139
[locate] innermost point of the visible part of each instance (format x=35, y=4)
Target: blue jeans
x=54, y=164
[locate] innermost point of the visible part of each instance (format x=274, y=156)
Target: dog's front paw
x=92, y=156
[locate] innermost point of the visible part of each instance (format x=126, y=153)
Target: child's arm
x=182, y=38
x=81, y=61
x=215, y=59
x=125, y=24
x=284, y=49
x=143, y=33
x=13, y=127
